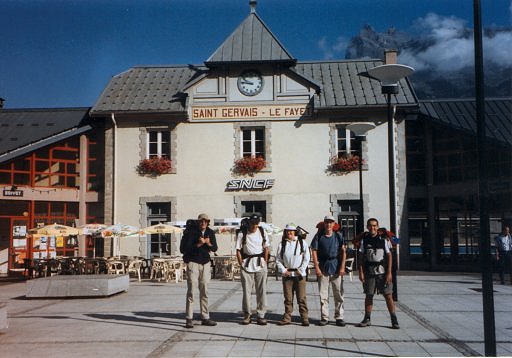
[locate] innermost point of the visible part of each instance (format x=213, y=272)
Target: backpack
x=190, y=226
x=373, y=248
x=299, y=238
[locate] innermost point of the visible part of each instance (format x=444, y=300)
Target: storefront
x=251, y=130
x=443, y=220
x=41, y=184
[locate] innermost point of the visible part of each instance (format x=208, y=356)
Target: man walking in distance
x=504, y=253
x=329, y=255
x=375, y=271
x=292, y=259
x=196, y=243
x=252, y=253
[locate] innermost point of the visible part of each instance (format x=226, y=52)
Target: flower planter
x=344, y=165
x=154, y=166
x=248, y=165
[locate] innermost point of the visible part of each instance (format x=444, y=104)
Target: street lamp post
x=388, y=76
x=360, y=129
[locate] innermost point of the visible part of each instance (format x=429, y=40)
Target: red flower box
x=154, y=166
x=345, y=164
x=249, y=165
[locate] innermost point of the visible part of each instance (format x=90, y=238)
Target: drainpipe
x=114, y=168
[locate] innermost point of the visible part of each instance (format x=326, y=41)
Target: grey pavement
x=439, y=315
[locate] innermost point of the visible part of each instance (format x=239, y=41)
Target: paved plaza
x=439, y=315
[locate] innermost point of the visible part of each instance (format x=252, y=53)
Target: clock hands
x=247, y=82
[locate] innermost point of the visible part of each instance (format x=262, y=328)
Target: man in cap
x=196, y=244
x=329, y=255
x=252, y=253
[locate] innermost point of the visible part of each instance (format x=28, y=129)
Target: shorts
x=377, y=284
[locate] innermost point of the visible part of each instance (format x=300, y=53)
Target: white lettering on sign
x=250, y=184
x=13, y=192
x=294, y=111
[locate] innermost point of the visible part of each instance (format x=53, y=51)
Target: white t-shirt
x=253, y=246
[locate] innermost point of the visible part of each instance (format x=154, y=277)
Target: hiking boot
x=340, y=322
x=246, y=320
x=323, y=322
x=394, y=323
x=283, y=322
x=189, y=323
x=364, y=323
x=261, y=321
x=305, y=322
x=208, y=322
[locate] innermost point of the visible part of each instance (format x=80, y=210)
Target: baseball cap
x=290, y=227
x=203, y=217
x=254, y=218
x=329, y=218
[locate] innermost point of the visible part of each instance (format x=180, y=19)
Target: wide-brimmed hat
x=329, y=218
x=203, y=217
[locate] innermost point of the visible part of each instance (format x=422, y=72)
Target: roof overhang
x=43, y=143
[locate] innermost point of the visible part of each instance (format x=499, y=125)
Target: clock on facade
x=250, y=82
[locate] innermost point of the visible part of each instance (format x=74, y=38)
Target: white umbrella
x=92, y=229
x=116, y=231
x=55, y=230
x=161, y=229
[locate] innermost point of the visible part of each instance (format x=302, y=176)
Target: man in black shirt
x=196, y=243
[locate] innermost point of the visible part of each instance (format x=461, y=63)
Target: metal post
x=360, y=226
x=391, y=183
x=483, y=191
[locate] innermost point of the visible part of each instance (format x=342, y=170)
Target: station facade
x=250, y=99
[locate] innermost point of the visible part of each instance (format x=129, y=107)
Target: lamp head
x=389, y=75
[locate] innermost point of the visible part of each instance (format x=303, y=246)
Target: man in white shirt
x=292, y=261
x=504, y=253
x=252, y=251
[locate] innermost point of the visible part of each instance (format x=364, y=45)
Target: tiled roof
x=158, y=89
x=252, y=41
x=23, y=128
x=461, y=114
x=147, y=89
x=341, y=86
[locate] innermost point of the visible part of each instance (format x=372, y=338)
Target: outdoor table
x=225, y=267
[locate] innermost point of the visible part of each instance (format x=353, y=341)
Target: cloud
x=450, y=46
x=331, y=51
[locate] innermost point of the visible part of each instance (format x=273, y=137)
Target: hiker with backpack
x=292, y=261
x=197, y=242
x=329, y=254
x=375, y=271
x=252, y=252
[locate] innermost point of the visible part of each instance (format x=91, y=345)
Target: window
x=160, y=244
x=252, y=142
x=347, y=143
x=255, y=207
x=158, y=144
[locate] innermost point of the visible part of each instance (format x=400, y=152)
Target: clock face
x=250, y=83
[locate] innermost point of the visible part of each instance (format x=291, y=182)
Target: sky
x=62, y=53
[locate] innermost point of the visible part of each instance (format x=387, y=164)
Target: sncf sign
x=250, y=184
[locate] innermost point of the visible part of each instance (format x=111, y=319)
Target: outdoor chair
x=116, y=268
x=157, y=270
x=349, y=263
x=134, y=266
